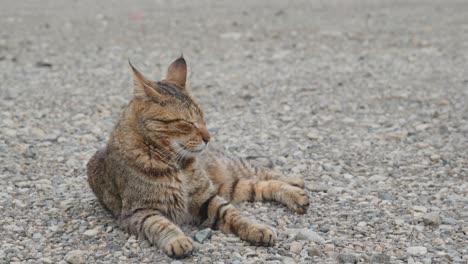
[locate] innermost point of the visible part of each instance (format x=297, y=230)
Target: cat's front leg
x=220, y=214
x=159, y=230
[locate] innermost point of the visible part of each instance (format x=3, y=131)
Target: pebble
x=91, y=232
x=377, y=178
x=13, y=228
x=45, y=261
x=426, y=260
x=386, y=196
x=295, y=247
x=307, y=234
x=76, y=257
x=431, y=219
x=37, y=237
x=347, y=258
x=203, y=235
x=362, y=224
x=314, y=251
x=417, y=251
x=328, y=247
x=435, y=158
x=380, y=258
x=449, y=221
x=288, y=260
x=313, y=135
x=418, y=208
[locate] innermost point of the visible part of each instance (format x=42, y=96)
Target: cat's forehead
x=171, y=90
x=181, y=98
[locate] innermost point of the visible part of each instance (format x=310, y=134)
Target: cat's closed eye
x=185, y=126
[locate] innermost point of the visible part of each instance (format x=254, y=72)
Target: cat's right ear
x=141, y=86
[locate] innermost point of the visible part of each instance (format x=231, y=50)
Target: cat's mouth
x=197, y=150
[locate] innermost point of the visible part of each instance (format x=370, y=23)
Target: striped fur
x=152, y=175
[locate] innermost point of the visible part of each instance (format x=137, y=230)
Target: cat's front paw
x=297, y=200
x=179, y=247
x=258, y=234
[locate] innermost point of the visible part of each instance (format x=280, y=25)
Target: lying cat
x=152, y=174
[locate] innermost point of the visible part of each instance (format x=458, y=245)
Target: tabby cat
x=152, y=175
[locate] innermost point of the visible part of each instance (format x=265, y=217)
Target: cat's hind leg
x=266, y=174
x=251, y=190
x=218, y=213
x=238, y=181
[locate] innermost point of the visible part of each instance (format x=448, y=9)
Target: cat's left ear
x=177, y=72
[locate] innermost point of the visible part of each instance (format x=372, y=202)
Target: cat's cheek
x=166, y=142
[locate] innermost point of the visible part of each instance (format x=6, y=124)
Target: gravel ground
x=367, y=100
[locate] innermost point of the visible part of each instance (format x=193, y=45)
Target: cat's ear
x=142, y=87
x=177, y=72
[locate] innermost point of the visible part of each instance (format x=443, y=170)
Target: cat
x=154, y=173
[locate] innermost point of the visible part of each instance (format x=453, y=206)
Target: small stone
x=45, y=261
x=446, y=227
x=132, y=239
x=418, y=208
x=431, y=219
x=37, y=133
x=231, y=35
x=416, y=251
x=307, y=234
x=422, y=127
x=435, y=158
x=13, y=228
x=91, y=233
x=335, y=190
x=426, y=261
x=295, y=247
x=9, y=132
x=328, y=247
x=386, y=196
x=362, y=224
x=324, y=228
x=377, y=178
x=76, y=257
x=176, y=262
x=203, y=235
x=37, y=237
x=19, y=203
x=399, y=222
x=347, y=258
x=449, y=221
x=314, y=251
x=378, y=249
x=313, y=135
x=419, y=228
x=348, y=176
x=316, y=187
x=288, y=260
x=280, y=54
x=380, y=258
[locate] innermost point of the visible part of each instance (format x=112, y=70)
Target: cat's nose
x=205, y=134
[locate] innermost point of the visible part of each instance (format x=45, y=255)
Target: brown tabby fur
x=152, y=177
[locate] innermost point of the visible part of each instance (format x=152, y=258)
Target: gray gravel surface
x=367, y=100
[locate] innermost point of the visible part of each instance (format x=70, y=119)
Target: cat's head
x=166, y=115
